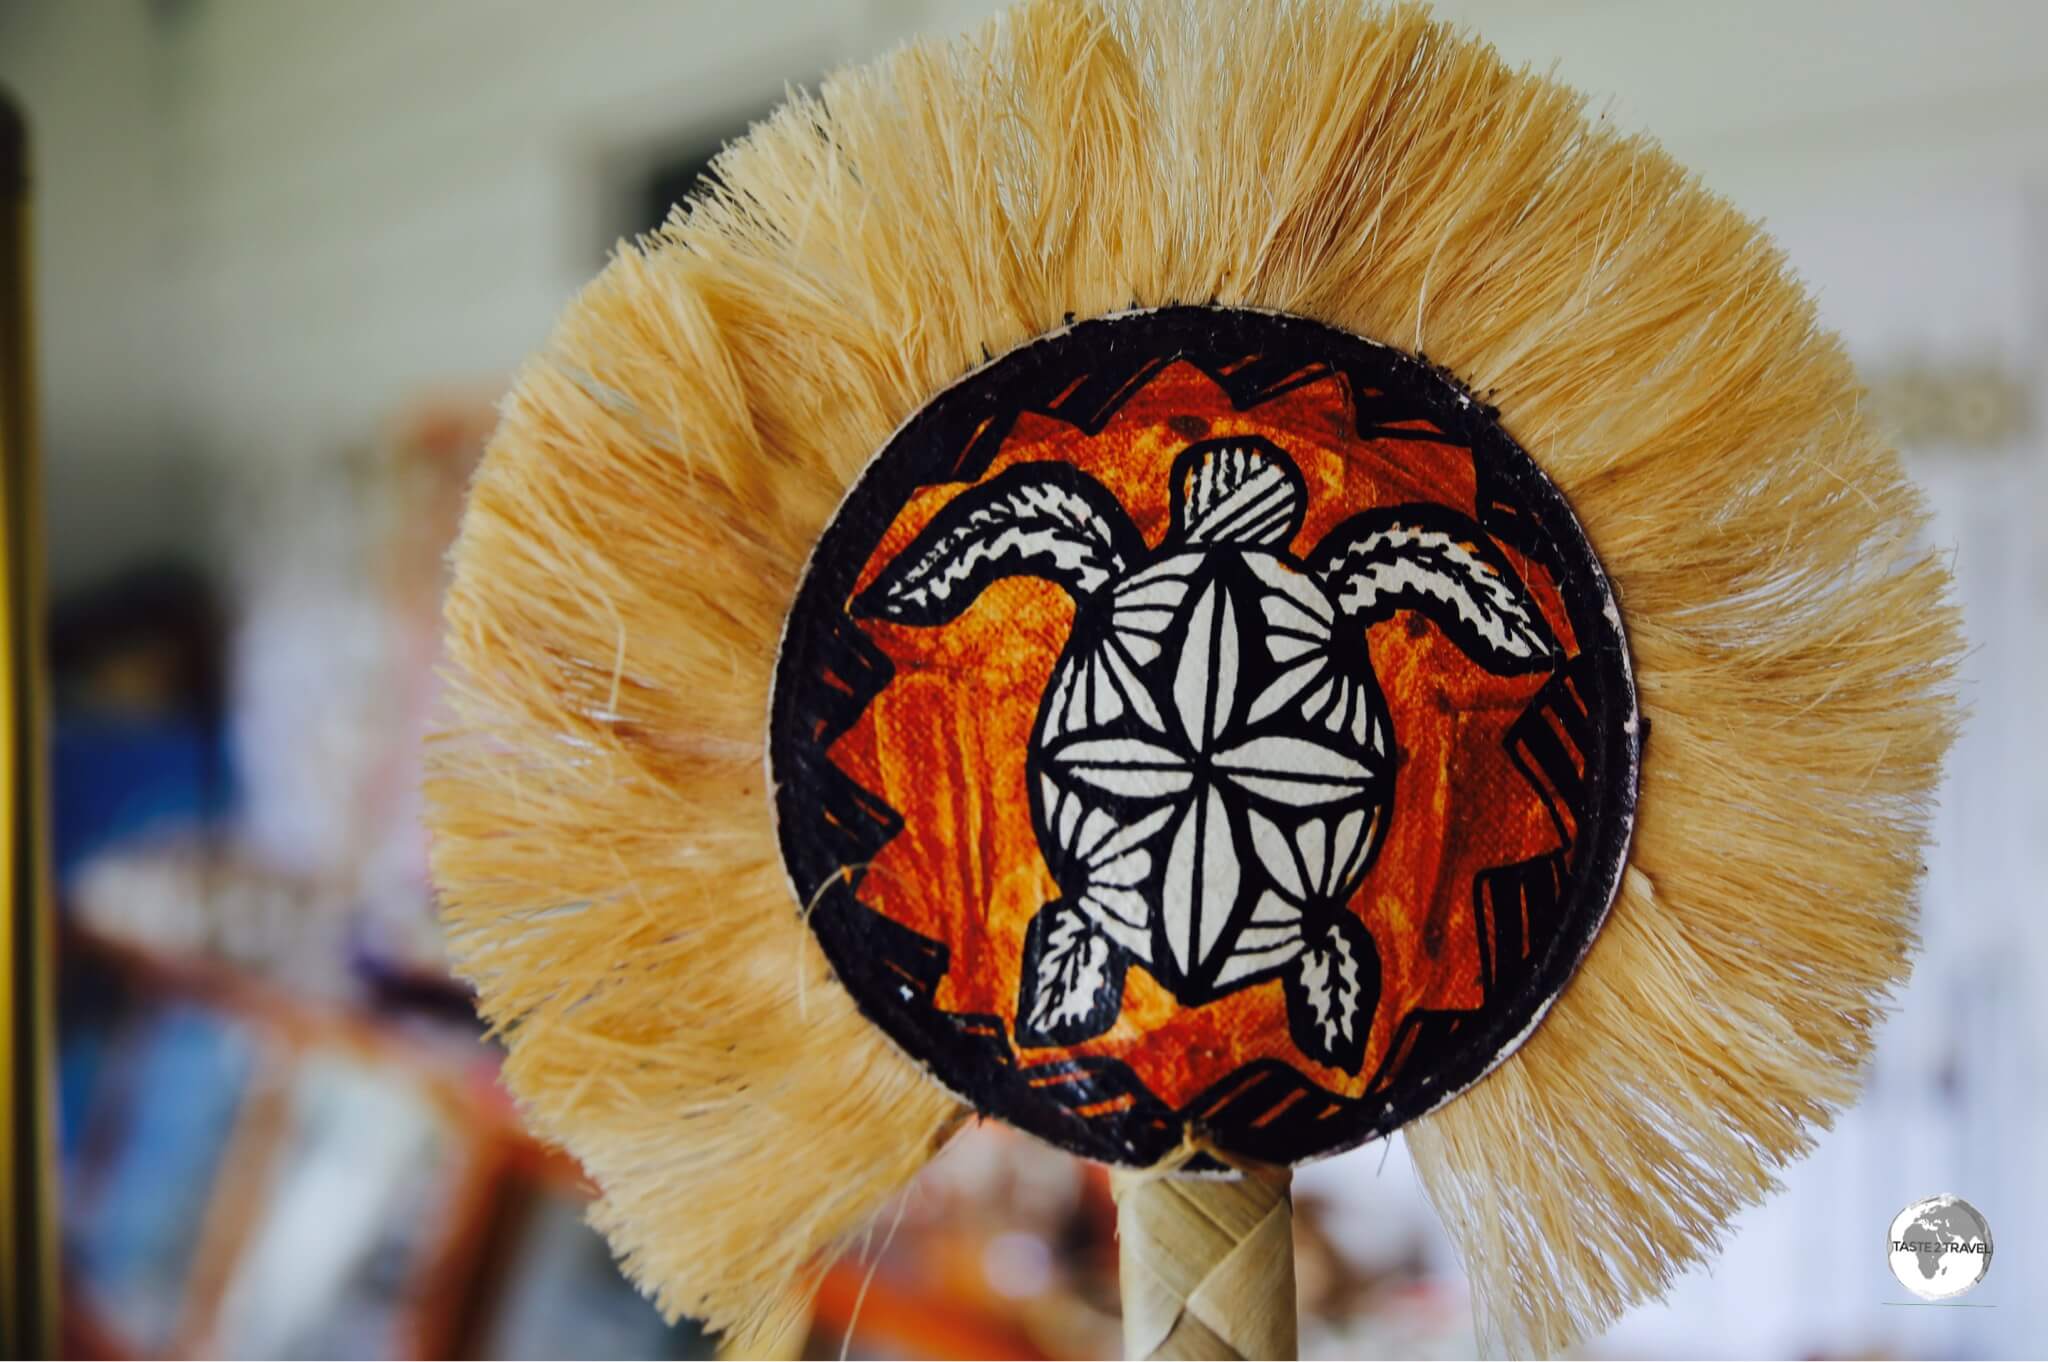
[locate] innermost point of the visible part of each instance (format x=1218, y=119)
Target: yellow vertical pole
x=28, y=1272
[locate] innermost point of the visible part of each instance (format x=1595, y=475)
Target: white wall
x=261, y=226
x=90, y=78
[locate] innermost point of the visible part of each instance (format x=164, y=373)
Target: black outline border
x=827, y=670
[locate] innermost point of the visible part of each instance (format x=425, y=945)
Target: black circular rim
x=827, y=671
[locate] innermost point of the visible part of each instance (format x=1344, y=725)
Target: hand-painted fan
x=1211, y=582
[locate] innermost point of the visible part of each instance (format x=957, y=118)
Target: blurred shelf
x=453, y=1061
x=492, y=1188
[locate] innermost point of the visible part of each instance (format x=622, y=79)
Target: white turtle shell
x=1214, y=744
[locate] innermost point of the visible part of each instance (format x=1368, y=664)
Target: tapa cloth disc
x=1204, y=716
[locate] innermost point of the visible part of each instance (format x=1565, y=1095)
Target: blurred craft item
x=222, y=1034
x=1982, y=404
x=423, y=468
x=1011, y=1241
x=1396, y=1304
x=333, y=666
x=189, y=894
x=140, y=741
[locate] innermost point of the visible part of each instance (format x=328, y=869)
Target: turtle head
x=1048, y=520
x=1240, y=490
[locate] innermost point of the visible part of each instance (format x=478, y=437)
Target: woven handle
x=1207, y=1265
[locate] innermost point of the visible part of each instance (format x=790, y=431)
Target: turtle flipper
x=1332, y=992
x=1442, y=564
x=1073, y=984
x=1047, y=520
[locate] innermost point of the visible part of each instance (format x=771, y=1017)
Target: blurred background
x=286, y=256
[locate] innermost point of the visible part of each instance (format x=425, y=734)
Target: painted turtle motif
x=1213, y=764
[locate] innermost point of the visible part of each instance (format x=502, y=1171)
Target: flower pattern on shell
x=1233, y=779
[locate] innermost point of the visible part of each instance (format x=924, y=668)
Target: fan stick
x=1207, y=1265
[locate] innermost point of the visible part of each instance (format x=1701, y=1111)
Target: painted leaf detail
x=1331, y=994
x=1073, y=981
x=1441, y=564
x=1047, y=520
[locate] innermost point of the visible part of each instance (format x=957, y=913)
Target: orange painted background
x=945, y=743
